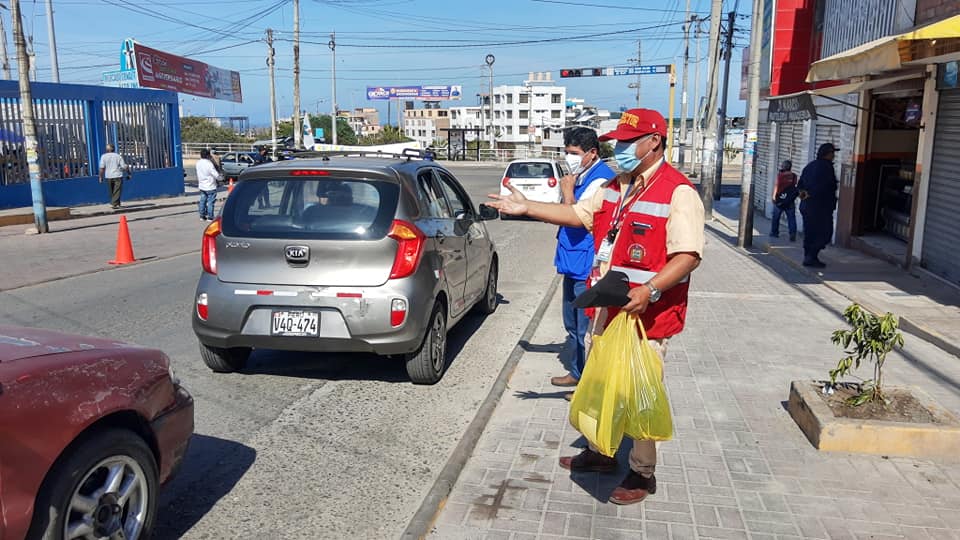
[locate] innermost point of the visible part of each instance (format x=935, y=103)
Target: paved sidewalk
x=927, y=305
x=739, y=467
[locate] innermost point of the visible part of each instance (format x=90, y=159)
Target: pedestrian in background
x=215, y=158
x=649, y=225
x=113, y=168
x=574, y=256
x=818, y=200
x=784, y=201
x=208, y=178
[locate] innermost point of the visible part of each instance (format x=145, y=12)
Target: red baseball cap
x=636, y=123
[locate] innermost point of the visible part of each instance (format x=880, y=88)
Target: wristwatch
x=655, y=293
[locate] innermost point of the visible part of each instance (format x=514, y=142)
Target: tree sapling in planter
x=870, y=338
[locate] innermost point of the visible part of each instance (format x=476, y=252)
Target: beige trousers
x=643, y=455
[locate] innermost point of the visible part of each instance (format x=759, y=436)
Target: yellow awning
x=890, y=53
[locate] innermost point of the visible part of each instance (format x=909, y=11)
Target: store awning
x=938, y=40
x=799, y=106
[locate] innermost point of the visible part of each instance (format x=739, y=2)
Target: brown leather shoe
x=589, y=461
x=634, y=488
x=566, y=380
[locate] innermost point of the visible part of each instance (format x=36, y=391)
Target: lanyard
x=618, y=217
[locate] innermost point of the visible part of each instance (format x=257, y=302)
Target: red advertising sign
x=157, y=69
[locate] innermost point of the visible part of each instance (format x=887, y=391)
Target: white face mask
x=575, y=163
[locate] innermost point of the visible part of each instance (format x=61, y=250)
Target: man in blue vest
x=575, y=247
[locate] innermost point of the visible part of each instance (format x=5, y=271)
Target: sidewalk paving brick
x=738, y=467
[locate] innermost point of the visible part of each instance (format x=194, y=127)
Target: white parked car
x=538, y=179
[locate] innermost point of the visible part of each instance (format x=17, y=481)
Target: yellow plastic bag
x=621, y=389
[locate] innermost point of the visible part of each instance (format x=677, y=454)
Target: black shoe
x=814, y=264
x=793, y=238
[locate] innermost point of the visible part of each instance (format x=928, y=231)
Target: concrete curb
x=422, y=522
x=906, y=324
x=130, y=210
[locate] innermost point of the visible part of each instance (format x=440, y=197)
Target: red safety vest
x=640, y=249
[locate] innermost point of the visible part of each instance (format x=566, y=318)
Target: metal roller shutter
x=940, y=254
x=828, y=134
x=792, y=145
x=761, y=174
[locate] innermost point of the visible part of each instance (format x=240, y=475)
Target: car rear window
x=530, y=170
x=323, y=208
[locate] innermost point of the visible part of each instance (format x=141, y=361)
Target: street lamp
x=490, y=59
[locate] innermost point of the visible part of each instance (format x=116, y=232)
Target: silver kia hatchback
x=338, y=254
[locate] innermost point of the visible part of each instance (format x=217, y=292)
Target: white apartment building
x=426, y=125
x=530, y=115
x=467, y=118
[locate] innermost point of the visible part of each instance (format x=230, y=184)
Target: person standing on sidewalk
x=784, y=201
x=648, y=224
x=574, y=257
x=263, y=198
x=113, y=168
x=207, y=180
x=818, y=200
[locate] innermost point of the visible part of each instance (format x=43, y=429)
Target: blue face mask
x=626, y=154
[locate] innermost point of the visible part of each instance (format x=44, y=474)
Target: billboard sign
x=423, y=93
x=158, y=69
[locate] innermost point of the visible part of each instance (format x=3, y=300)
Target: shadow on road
x=210, y=471
x=355, y=366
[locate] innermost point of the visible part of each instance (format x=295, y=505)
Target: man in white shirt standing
x=113, y=168
x=207, y=178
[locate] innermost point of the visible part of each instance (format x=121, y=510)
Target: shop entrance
x=885, y=198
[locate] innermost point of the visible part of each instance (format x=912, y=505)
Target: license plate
x=295, y=323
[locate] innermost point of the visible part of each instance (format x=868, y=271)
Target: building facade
x=364, y=121
x=531, y=115
x=878, y=79
x=468, y=118
x=426, y=125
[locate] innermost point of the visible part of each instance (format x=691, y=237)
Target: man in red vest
x=647, y=223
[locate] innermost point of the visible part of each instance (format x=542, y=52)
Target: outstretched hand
x=514, y=204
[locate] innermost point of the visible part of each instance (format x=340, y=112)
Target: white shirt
x=207, y=175
x=595, y=184
x=112, y=164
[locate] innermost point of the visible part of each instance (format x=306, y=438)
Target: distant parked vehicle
x=234, y=163
x=359, y=254
x=537, y=179
x=90, y=429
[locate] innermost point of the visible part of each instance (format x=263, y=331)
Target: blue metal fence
x=74, y=125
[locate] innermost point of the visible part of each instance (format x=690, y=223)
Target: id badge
x=606, y=248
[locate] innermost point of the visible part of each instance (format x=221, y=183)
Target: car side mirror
x=488, y=212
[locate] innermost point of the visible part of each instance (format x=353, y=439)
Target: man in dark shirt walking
x=818, y=194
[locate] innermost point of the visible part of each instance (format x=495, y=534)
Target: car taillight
x=202, y=309
x=506, y=181
x=398, y=311
x=552, y=182
x=410, y=242
x=208, y=255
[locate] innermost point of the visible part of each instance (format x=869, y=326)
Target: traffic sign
x=641, y=70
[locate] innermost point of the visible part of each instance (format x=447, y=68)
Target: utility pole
x=710, y=145
x=3, y=49
x=29, y=127
x=695, y=158
x=297, y=128
x=333, y=105
x=745, y=232
x=683, y=89
x=722, y=109
x=639, y=63
x=32, y=54
x=273, y=92
x=52, y=39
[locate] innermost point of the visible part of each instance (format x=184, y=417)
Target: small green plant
x=870, y=338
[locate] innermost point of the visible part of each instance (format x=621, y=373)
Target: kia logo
x=298, y=254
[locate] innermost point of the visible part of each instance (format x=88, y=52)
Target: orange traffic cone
x=124, y=246
x=230, y=186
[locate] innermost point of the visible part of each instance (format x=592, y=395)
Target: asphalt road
x=299, y=445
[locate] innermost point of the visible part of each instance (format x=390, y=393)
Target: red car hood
x=19, y=342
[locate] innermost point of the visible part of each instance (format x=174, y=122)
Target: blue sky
x=384, y=42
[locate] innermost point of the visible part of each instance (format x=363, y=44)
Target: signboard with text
x=792, y=109
x=121, y=78
x=158, y=69
x=423, y=93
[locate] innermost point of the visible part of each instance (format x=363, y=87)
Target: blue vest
x=575, y=247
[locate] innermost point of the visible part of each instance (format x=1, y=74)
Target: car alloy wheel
x=111, y=501
x=438, y=342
